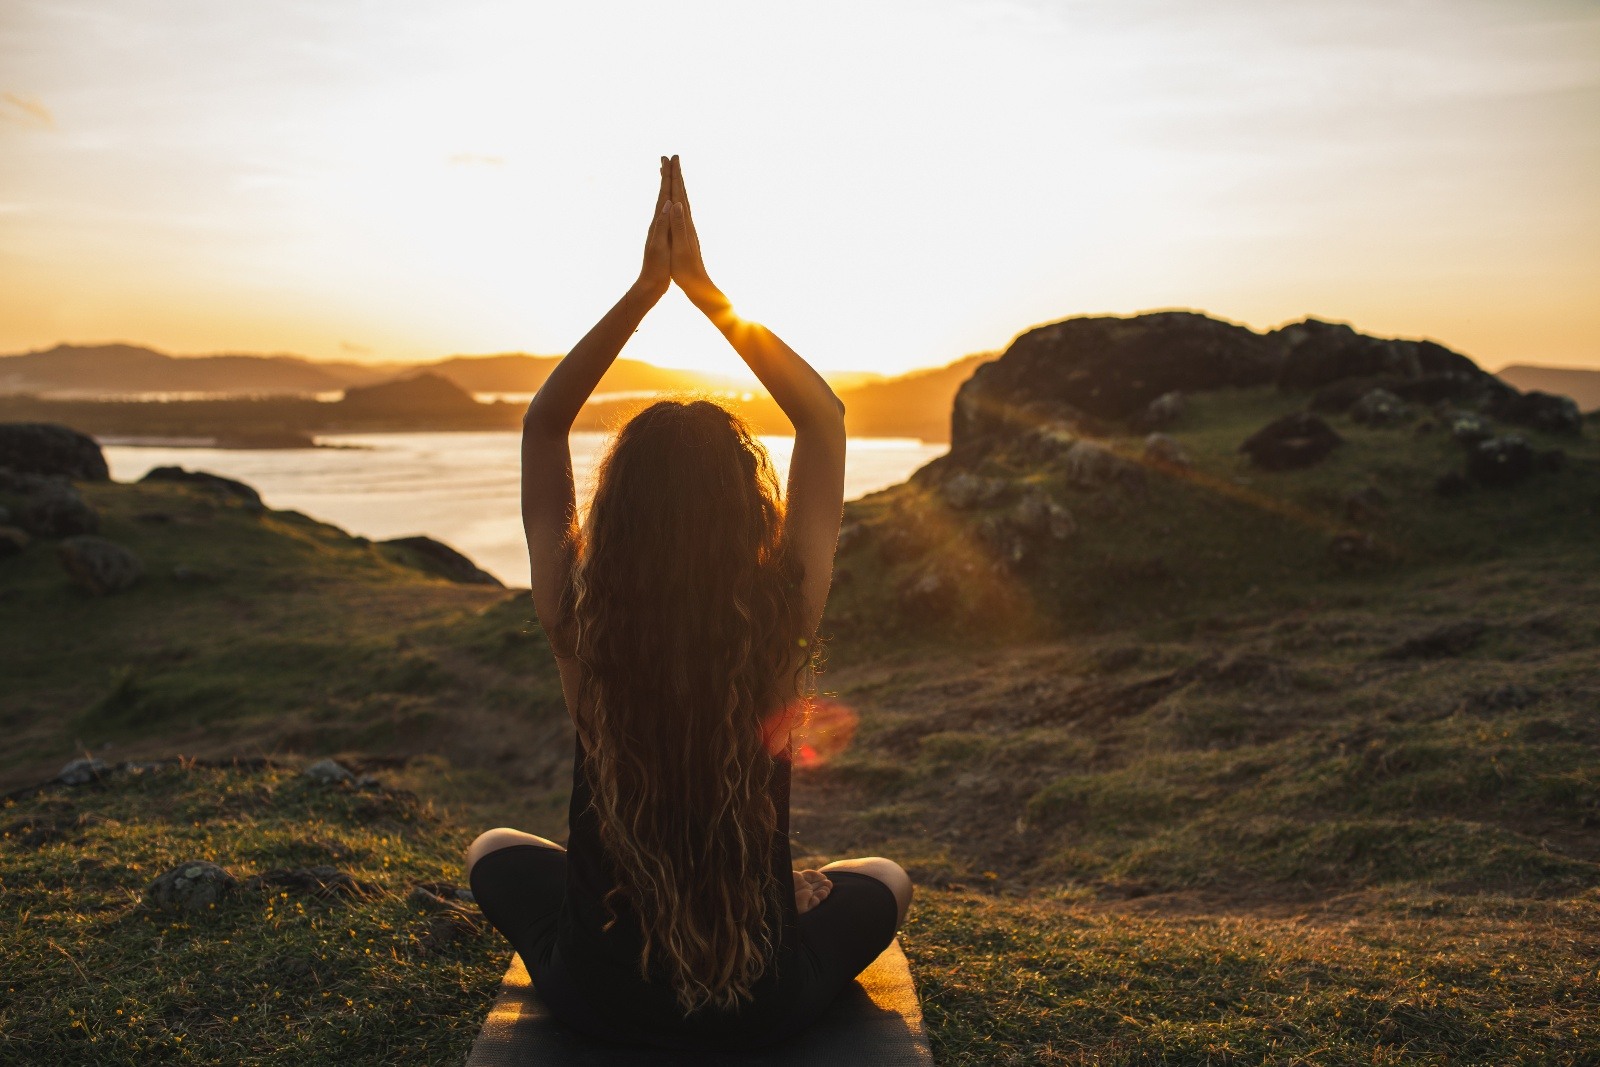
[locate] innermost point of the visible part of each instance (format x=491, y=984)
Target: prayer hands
x=688, y=268
x=810, y=889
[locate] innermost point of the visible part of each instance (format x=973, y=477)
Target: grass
x=268, y=975
x=1175, y=794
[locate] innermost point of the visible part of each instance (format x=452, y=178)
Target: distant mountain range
x=109, y=371
x=270, y=401
x=1581, y=385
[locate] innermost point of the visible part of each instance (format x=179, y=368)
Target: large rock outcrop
x=1107, y=369
x=1092, y=376
x=45, y=448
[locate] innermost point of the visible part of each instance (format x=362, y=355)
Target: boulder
x=1501, y=461
x=328, y=772
x=440, y=559
x=1038, y=515
x=1316, y=353
x=47, y=449
x=99, y=566
x=1103, y=368
x=1090, y=466
x=12, y=541
x=1163, y=411
x=190, y=887
x=1379, y=407
x=1545, y=412
x=1292, y=442
x=226, y=488
x=963, y=490
x=1005, y=542
x=1468, y=428
x=1163, y=451
x=83, y=771
x=58, y=510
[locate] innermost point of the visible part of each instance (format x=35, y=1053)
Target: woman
x=682, y=615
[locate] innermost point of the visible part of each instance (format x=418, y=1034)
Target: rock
x=964, y=490
x=1545, y=412
x=99, y=566
x=58, y=511
x=328, y=772
x=1449, y=640
x=1163, y=451
x=48, y=449
x=1163, y=411
x=226, y=488
x=190, y=887
x=1292, y=442
x=1452, y=484
x=1005, y=542
x=1039, y=515
x=1090, y=466
x=83, y=771
x=12, y=541
x=1469, y=428
x=1104, y=368
x=1379, y=407
x=1500, y=461
x=440, y=559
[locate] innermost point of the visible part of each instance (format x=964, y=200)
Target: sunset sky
x=887, y=184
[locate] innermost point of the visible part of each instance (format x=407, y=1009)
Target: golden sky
x=887, y=184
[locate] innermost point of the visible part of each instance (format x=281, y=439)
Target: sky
x=887, y=185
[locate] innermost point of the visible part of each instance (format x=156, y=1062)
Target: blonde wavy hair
x=686, y=627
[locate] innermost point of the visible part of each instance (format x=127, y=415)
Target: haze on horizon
x=889, y=185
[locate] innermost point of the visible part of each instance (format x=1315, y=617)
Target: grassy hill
x=1247, y=767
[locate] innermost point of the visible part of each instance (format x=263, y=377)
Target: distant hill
x=1581, y=385
x=911, y=405
x=102, y=370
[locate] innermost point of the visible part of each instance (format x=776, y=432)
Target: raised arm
x=549, y=508
x=815, y=498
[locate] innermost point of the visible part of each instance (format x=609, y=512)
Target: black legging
x=520, y=889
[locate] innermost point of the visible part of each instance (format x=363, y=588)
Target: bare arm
x=549, y=509
x=815, y=500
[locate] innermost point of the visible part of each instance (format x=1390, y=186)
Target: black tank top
x=603, y=965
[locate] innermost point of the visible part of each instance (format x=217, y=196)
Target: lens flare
x=824, y=734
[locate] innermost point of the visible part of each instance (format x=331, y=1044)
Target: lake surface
x=462, y=488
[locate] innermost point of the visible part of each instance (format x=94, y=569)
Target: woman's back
x=600, y=957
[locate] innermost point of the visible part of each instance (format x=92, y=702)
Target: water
x=462, y=488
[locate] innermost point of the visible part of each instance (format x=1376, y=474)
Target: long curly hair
x=687, y=631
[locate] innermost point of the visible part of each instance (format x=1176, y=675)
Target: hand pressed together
x=810, y=889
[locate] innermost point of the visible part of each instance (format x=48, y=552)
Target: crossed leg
x=502, y=837
x=888, y=872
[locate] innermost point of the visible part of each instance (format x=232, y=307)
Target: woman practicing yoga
x=683, y=615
